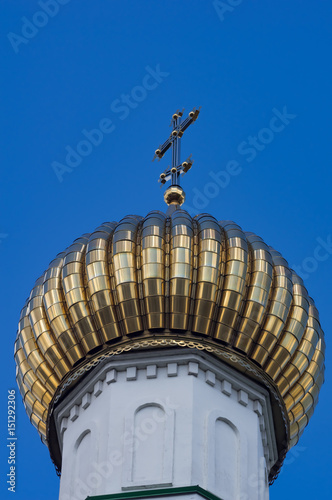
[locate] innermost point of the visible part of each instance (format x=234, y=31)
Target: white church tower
x=170, y=424
x=169, y=357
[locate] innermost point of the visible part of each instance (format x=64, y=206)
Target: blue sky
x=259, y=70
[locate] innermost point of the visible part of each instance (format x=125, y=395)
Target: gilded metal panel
x=305, y=351
x=278, y=310
x=257, y=295
x=153, y=268
x=86, y=332
x=233, y=288
x=180, y=270
x=293, y=331
x=209, y=273
x=125, y=272
x=27, y=349
x=45, y=338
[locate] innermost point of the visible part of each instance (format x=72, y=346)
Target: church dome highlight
x=170, y=281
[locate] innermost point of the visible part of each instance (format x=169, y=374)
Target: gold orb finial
x=174, y=195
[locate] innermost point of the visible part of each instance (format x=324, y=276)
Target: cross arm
x=192, y=117
x=179, y=170
x=159, y=153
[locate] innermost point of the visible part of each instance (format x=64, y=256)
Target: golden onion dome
x=168, y=281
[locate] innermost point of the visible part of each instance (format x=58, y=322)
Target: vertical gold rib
x=75, y=296
x=181, y=262
x=123, y=261
x=234, y=281
x=98, y=283
x=208, y=275
x=278, y=309
x=153, y=268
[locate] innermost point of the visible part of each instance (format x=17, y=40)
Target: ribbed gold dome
x=163, y=281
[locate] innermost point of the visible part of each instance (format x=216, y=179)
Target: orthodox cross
x=173, y=173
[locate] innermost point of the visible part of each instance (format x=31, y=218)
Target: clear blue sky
x=243, y=67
